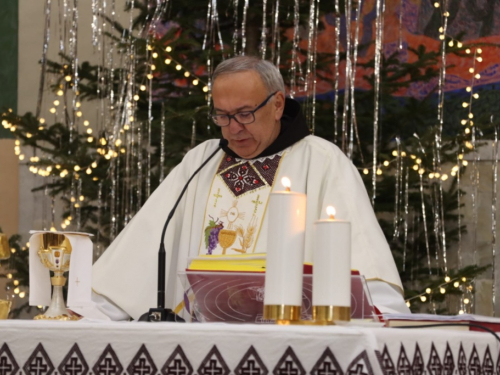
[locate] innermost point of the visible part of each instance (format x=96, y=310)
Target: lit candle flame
x=330, y=211
x=285, y=181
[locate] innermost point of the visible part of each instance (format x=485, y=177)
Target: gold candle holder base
x=322, y=315
x=282, y=312
x=331, y=313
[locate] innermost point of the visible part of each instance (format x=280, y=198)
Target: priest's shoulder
x=204, y=148
x=321, y=145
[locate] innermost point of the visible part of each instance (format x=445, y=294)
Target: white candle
x=332, y=262
x=285, y=249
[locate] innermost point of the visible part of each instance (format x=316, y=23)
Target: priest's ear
x=279, y=105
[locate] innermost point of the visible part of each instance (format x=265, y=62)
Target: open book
x=398, y=320
x=231, y=289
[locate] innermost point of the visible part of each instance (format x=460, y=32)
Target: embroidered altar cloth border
x=134, y=348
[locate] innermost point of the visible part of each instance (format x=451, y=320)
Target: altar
x=139, y=348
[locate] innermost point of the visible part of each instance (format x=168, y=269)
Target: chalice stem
x=57, y=306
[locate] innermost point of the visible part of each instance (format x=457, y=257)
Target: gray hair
x=268, y=72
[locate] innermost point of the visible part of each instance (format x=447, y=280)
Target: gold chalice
x=4, y=308
x=4, y=247
x=55, y=254
x=226, y=239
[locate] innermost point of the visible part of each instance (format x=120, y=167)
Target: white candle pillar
x=332, y=269
x=285, y=255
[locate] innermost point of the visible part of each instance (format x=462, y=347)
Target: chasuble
x=225, y=195
x=224, y=212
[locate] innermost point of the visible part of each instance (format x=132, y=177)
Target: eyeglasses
x=242, y=118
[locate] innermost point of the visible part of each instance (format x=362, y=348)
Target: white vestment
x=126, y=274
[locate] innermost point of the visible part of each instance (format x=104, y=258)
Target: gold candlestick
x=4, y=247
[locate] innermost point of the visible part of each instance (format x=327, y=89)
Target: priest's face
x=244, y=91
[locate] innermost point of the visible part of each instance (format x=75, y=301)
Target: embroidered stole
x=237, y=204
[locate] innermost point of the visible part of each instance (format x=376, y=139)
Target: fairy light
x=168, y=49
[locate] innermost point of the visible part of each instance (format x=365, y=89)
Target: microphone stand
x=160, y=313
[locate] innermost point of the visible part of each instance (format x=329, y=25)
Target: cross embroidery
x=77, y=281
x=142, y=367
x=251, y=369
x=434, y=365
x=212, y=368
x=288, y=369
x=474, y=365
x=217, y=196
x=177, y=368
x=257, y=202
x=358, y=370
x=5, y=366
x=327, y=369
x=38, y=367
x=107, y=368
x=73, y=367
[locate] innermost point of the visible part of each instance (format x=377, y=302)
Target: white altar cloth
x=137, y=348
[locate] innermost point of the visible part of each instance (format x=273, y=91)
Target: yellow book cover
x=234, y=263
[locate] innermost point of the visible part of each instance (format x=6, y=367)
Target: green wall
x=9, y=24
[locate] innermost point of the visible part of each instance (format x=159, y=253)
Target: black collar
x=293, y=129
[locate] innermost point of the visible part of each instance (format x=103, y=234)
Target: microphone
x=160, y=313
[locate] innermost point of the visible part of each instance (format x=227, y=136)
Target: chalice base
x=57, y=309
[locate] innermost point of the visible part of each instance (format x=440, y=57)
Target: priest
x=268, y=138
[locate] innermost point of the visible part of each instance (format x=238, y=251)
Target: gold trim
x=282, y=156
x=58, y=280
x=331, y=313
x=281, y=312
x=72, y=318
